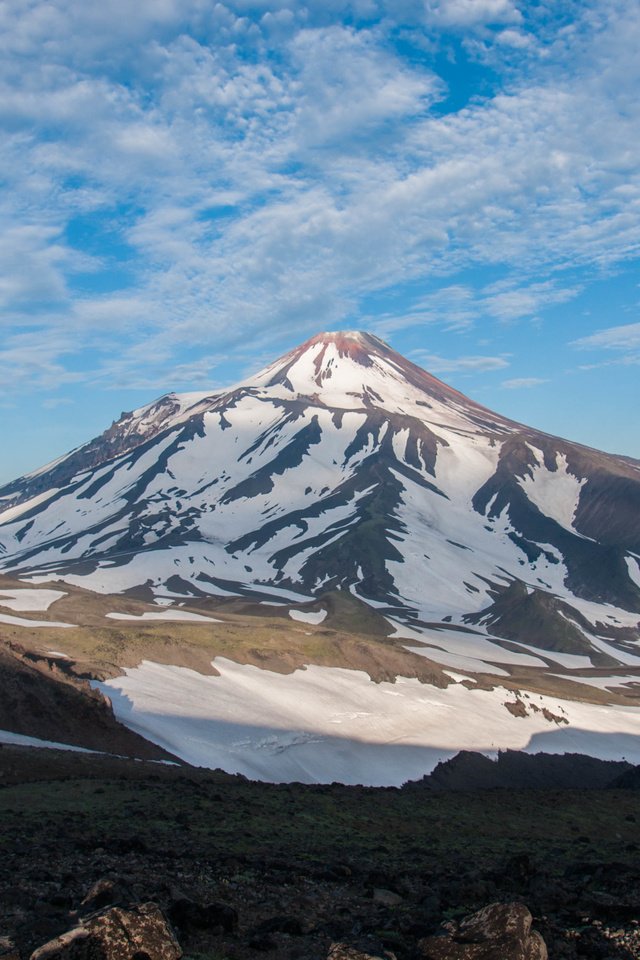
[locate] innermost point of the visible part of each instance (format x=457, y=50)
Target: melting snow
x=457, y=648
x=23, y=622
x=634, y=569
x=603, y=683
x=308, y=616
x=556, y=493
x=27, y=599
x=170, y=615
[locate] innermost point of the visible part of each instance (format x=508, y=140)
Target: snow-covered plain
x=321, y=724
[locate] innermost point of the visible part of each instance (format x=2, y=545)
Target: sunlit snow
x=23, y=622
x=27, y=599
x=556, y=493
x=308, y=616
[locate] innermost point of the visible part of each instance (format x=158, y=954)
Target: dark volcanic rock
x=284, y=924
x=141, y=933
x=500, y=931
x=629, y=780
x=39, y=699
x=189, y=916
x=514, y=770
x=342, y=951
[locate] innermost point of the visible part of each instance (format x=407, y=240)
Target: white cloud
x=624, y=337
x=467, y=13
x=519, y=383
x=514, y=38
x=477, y=364
x=507, y=302
x=52, y=403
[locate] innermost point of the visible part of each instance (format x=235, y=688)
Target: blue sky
x=190, y=188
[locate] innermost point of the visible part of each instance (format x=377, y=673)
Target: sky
x=191, y=188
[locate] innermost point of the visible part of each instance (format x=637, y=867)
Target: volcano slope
x=499, y=556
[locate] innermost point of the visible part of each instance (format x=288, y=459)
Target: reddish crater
x=364, y=348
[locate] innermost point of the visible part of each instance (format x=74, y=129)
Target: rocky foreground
x=120, y=860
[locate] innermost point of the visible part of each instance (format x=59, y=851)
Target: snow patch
x=308, y=616
x=22, y=740
x=634, y=569
x=603, y=683
x=166, y=615
x=29, y=600
x=555, y=493
x=23, y=622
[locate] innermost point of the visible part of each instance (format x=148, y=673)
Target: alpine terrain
x=341, y=499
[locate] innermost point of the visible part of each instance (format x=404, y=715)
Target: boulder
x=343, y=951
x=141, y=933
x=8, y=949
x=387, y=898
x=500, y=931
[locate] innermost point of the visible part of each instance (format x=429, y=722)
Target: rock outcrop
x=500, y=931
x=140, y=933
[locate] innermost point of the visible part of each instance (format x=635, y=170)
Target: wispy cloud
x=624, y=337
x=474, y=364
x=520, y=383
x=272, y=167
x=466, y=13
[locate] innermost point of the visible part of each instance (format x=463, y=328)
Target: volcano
x=345, y=466
x=345, y=481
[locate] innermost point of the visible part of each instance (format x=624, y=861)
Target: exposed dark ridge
x=261, y=481
x=534, y=618
x=114, y=442
x=514, y=770
x=38, y=699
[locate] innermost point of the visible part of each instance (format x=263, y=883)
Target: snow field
x=321, y=724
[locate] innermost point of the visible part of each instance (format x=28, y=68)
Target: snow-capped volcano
x=345, y=466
